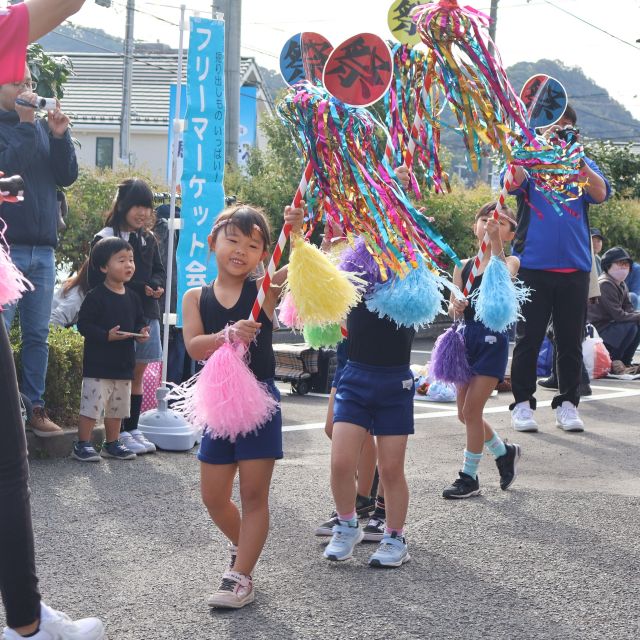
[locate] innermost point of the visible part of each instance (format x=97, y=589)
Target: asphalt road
x=556, y=556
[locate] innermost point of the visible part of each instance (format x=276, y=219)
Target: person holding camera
x=41, y=151
x=555, y=263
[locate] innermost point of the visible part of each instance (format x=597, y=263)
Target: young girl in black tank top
x=487, y=353
x=240, y=239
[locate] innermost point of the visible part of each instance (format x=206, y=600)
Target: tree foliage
x=619, y=164
x=50, y=73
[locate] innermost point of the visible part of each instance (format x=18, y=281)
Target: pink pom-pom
x=225, y=398
x=12, y=283
x=287, y=313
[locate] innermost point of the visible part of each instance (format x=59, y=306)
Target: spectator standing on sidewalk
x=41, y=151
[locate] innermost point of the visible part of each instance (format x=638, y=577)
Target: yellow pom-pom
x=321, y=292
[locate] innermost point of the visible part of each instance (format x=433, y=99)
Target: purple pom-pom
x=357, y=259
x=449, y=359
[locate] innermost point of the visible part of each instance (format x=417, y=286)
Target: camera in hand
x=12, y=185
x=568, y=133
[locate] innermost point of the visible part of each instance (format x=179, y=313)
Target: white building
x=93, y=98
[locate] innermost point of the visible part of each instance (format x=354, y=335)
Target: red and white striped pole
x=282, y=241
x=486, y=241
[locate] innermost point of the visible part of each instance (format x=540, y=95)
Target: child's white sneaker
x=522, y=418
x=140, y=438
x=127, y=439
x=55, y=625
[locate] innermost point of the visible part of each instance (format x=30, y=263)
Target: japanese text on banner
x=203, y=169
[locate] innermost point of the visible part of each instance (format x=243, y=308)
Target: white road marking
x=609, y=394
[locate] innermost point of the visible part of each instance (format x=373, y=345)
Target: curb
x=58, y=446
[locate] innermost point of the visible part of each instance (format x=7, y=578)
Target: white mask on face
x=618, y=273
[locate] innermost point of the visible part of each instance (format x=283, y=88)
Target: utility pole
x=125, y=113
x=232, y=10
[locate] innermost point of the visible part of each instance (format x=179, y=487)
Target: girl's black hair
x=245, y=218
x=105, y=248
x=487, y=209
x=131, y=193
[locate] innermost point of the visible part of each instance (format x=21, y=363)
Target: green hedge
x=619, y=221
x=64, y=373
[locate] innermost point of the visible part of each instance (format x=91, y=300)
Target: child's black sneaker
x=326, y=528
x=508, y=465
x=374, y=530
x=464, y=487
x=365, y=506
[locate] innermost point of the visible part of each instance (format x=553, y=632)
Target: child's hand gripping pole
x=282, y=241
x=486, y=241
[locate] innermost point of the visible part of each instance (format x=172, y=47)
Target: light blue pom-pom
x=498, y=300
x=412, y=301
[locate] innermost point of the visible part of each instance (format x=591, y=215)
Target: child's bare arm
x=456, y=306
x=198, y=344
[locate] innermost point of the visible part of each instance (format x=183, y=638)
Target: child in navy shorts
x=374, y=397
x=488, y=353
x=240, y=239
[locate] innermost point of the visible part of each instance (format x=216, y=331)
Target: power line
x=573, y=15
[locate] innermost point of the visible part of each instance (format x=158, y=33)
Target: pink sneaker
x=234, y=591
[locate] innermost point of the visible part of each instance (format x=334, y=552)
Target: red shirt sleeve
x=14, y=36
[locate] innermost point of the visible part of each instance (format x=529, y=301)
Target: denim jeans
x=18, y=581
x=38, y=265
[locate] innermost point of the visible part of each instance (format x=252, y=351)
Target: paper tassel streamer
x=12, y=283
x=476, y=86
x=355, y=182
x=449, y=359
x=287, y=313
x=498, y=300
x=325, y=336
x=357, y=259
x=322, y=294
x=412, y=301
x=225, y=399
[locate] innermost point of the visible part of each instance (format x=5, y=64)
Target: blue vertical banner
x=248, y=119
x=203, y=167
x=173, y=90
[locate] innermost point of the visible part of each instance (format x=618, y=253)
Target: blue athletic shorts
x=379, y=399
x=487, y=351
x=342, y=351
x=264, y=443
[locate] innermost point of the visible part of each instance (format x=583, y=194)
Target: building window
x=104, y=153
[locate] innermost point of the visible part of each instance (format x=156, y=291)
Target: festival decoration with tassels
x=325, y=336
x=412, y=301
x=449, y=358
x=322, y=294
x=498, y=299
x=224, y=398
x=287, y=313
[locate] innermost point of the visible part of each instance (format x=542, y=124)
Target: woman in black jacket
x=131, y=219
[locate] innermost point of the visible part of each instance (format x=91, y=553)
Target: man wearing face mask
x=613, y=315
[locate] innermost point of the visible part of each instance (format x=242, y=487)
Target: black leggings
x=18, y=580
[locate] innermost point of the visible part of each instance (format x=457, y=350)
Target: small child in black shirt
x=110, y=319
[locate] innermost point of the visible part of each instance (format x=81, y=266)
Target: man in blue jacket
x=555, y=262
x=41, y=151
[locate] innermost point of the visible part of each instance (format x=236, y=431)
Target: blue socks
x=496, y=446
x=471, y=462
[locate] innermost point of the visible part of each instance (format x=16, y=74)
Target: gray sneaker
x=391, y=552
x=84, y=452
x=343, y=542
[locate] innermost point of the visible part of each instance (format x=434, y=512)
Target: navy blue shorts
x=379, y=399
x=487, y=351
x=264, y=443
x=342, y=352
